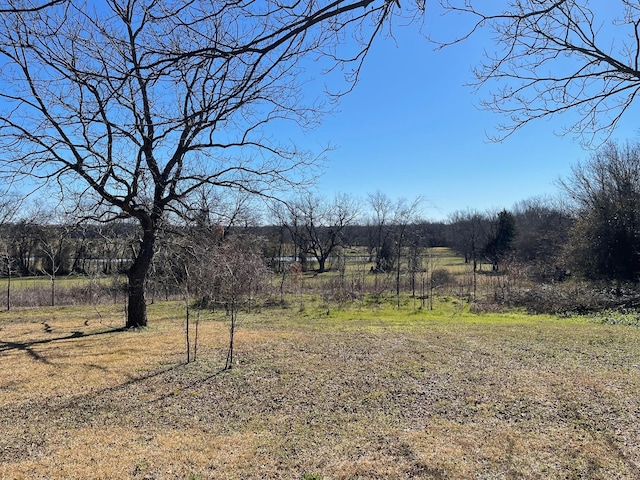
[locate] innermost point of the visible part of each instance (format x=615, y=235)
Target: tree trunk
x=137, y=309
x=8, y=286
x=322, y=261
x=232, y=331
x=53, y=289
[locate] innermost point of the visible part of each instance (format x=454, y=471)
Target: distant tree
x=316, y=224
x=24, y=237
x=405, y=214
x=542, y=233
x=605, y=189
x=277, y=247
x=222, y=211
x=419, y=262
x=468, y=234
x=115, y=243
x=55, y=252
x=414, y=263
x=429, y=279
x=379, y=241
x=439, y=278
x=500, y=243
x=9, y=206
x=127, y=108
x=469, y=230
x=556, y=56
x=386, y=255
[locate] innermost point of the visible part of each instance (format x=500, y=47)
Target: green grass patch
x=62, y=281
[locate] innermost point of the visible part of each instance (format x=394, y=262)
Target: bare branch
x=18, y=7
x=130, y=108
x=553, y=57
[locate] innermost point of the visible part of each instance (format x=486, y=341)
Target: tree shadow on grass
x=27, y=347
x=77, y=402
x=86, y=404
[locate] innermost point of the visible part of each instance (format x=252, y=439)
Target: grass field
x=363, y=393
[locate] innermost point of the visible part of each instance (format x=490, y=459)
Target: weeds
x=617, y=317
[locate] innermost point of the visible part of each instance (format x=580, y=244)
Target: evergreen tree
x=500, y=243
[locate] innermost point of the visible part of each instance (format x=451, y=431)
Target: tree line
x=591, y=233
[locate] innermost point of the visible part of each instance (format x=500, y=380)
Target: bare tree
x=556, y=56
x=23, y=236
x=54, y=249
x=9, y=206
x=469, y=230
x=316, y=224
x=543, y=226
x=238, y=273
x=130, y=106
x=378, y=229
x=405, y=213
x=605, y=240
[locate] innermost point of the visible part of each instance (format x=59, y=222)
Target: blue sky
x=412, y=128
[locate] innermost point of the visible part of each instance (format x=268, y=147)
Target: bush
x=441, y=277
x=573, y=298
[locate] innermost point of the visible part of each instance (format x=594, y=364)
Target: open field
x=363, y=393
x=347, y=280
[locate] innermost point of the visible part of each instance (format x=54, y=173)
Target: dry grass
x=356, y=394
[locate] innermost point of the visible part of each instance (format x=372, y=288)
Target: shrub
x=441, y=277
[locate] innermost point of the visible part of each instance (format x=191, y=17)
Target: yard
x=367, y=392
